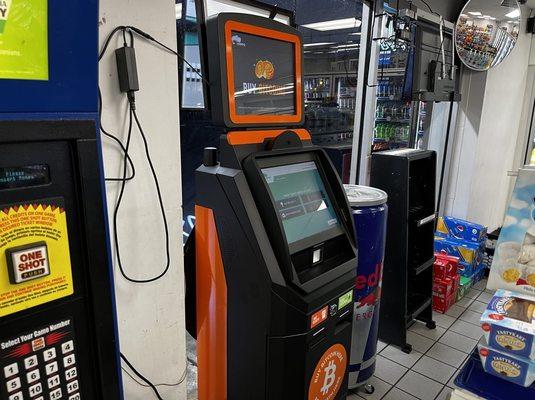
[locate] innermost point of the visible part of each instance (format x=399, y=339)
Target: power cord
x=118, y=141
x=148, y=383
x=129, y=162
x=154, y=40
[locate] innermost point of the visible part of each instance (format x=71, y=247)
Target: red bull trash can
x=370, y=213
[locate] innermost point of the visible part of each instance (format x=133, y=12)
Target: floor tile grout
x=426, y=353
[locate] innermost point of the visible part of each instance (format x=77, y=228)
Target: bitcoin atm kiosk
x=274, y=244
x=57, y=316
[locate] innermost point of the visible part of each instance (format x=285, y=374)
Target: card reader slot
x=335, y=252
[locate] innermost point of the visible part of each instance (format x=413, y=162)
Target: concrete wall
x=490, y=129
x=151, y=316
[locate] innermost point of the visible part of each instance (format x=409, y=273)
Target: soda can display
x=370, y=215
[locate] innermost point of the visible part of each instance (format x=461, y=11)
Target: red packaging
x=445, y=266
x=442, y=305
x=445, y=287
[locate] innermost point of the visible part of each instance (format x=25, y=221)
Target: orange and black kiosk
x=273, y=250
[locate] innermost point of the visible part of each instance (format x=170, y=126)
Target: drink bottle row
x=391, y=132
x=393, y=111
x=389, y=89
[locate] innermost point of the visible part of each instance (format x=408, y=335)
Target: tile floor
x=429, y=371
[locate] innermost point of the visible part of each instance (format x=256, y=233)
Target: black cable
x=169, y=49
x=158, y=396
x=108, y=40
x=120, y=198
x=162, y=209
x=429, y=7
x=117, y=140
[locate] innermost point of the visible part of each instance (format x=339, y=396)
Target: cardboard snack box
x=509, y=323
x=515, y=369
x=445, y=266
x=470, y=255
x=465, y=284
x=461, y=229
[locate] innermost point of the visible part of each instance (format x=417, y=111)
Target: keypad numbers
x=48, y=374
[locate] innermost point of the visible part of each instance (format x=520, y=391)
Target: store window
x=332, y=36
x=192, y=95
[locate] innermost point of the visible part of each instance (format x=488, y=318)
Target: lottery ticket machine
x=58, y=336
x=273, y=248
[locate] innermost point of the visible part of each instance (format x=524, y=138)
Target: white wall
x=151, y=316
x=489, y=127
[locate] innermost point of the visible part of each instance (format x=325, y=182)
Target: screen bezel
x=317, y=238
x=236, y=26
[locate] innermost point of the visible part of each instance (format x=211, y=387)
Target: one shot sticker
x=28, y=262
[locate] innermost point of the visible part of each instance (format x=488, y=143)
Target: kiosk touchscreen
x=274, y=256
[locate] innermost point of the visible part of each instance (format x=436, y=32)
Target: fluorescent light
x=464, y=15
x=317, y=44
x=486, y=16
x=492, y=18
x=347, y=46
x=513, y=14
x=476, y=13
x=178, y=10
x=334, y=24
x=355, y=33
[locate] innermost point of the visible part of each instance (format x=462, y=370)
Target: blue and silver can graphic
x=370, y=215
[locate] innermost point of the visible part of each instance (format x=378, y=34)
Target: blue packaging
x=509, y=323
x=465, y=269
x=506, y=366
x=456, y=228
x=470, y=254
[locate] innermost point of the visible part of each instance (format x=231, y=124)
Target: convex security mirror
x=486, y=32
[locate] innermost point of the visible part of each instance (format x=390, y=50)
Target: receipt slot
x=57, y=314
x=272, y=267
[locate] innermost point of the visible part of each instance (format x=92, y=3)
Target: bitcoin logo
x=264, y=69
x=329, y=374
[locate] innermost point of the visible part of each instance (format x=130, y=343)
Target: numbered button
x=36, y=389
x=51, y=368
x=11, y=370
x=56, y=394
x=39, y=398
x=16, y=396
x=73, y=387
x=49, y=354
x=33, y=376
x=30, y=362
x=71, y=373
x=67, y=347
x=69, y=361
x=75, y=397
x=13, y=384
x=53, y=382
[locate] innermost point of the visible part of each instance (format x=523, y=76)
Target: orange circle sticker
x=329, y=374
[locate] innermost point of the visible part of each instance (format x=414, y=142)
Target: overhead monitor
x=256, y=72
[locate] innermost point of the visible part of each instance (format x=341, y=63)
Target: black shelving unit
x=408, y=176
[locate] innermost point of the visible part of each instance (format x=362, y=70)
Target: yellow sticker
x=35, y=261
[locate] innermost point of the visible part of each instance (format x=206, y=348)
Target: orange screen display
x=264, y=74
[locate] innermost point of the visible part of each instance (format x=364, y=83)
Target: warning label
x=35, y=263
